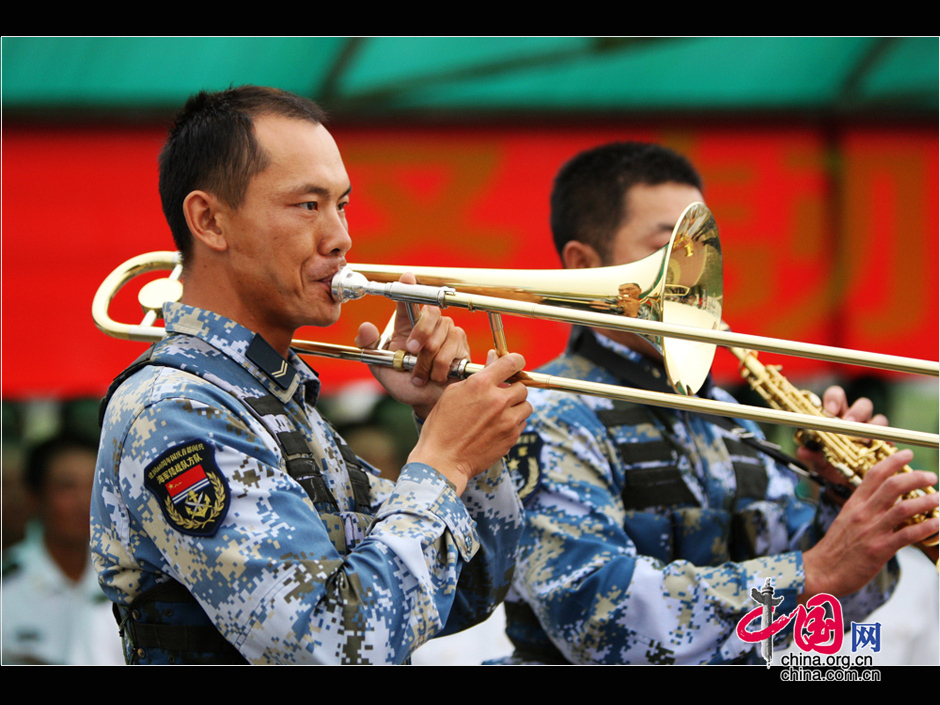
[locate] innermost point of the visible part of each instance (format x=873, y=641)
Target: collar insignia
x=272, y=364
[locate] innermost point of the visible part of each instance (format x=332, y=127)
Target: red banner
x=825, y=242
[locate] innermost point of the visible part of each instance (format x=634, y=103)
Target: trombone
x=673, y=298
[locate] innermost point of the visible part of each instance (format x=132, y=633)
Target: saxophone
x=851, y=457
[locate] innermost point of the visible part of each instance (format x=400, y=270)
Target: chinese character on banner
x=866, y=635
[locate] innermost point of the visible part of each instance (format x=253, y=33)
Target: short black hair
x=212, y=147
x=42, y=456
x=588, y=201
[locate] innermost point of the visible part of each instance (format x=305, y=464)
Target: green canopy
x=470, y=77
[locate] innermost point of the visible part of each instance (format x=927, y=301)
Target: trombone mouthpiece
x=348, y=285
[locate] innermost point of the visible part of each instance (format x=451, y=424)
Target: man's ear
x=580, y=255
x=202, y=212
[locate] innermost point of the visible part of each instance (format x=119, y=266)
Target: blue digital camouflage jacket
x=645, y=531
x=192, y=487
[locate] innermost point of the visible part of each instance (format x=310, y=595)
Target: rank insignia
x=523, y=463
x=191, y=489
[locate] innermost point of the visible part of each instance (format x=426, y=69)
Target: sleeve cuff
x=421, y=486
x=786, y=571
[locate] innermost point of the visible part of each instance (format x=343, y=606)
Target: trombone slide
x=385, y=358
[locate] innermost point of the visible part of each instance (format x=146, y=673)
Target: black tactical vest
x=166, y=625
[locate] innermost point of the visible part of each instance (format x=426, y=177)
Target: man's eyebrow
x=321, y=191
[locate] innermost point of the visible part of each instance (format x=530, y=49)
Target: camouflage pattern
x=281, y=581
x=601, y=582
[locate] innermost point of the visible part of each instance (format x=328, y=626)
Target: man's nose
x=335, y=240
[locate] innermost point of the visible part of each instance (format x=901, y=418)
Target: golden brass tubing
x=537, y=380
x=528, y=309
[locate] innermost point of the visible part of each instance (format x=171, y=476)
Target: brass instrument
x=678, y=288
x=674, y=293
x=851, y=457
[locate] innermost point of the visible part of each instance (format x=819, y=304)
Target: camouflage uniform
x=193, y=487
x=646, y=529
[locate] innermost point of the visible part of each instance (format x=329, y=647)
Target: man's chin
x=326, y=317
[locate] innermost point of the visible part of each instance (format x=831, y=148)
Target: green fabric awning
x=468, y=77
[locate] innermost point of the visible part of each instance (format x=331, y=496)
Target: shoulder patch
x=191, y=489
x=523, y=463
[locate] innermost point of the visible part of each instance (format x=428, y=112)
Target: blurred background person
x=53, y=610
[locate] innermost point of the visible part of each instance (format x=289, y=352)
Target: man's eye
x=342, y=206
x=309, y=205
